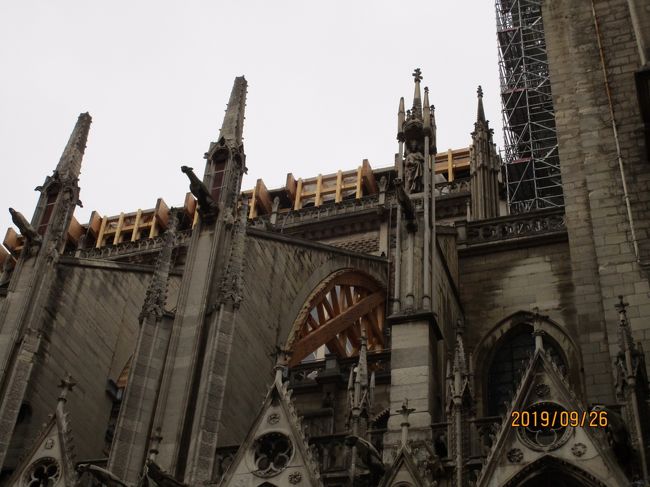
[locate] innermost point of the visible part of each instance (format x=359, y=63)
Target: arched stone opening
x=332, y=317
x=549, y=471
x=504, y=350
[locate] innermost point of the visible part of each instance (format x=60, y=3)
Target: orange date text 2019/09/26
x=556, y=419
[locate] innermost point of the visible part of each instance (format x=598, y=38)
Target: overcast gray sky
x=324, y=85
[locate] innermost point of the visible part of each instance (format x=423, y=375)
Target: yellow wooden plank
x=339, y=188
x=298, y=203
x=102, y=230
x=136, y=226
x=118, y=230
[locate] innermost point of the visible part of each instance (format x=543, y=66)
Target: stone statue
x=207, y=205
x=24, y=226
x=413, y=169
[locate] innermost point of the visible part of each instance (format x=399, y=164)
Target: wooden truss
x=331, y=319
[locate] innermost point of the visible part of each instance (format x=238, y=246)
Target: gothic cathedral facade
x=401, y=326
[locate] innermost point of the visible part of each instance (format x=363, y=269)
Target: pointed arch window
x=508, y=362
x=331, y=319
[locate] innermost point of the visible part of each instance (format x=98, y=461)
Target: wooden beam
x=118, y=229
x=94, y=224
x=369, y=180
x=102, y=230
x=75, y=231
x=319, y=188
x=290, y=187
x=335, y=301
x=4, y=255
x=263, y=198
x=298, y=199
x=333, y=327
x=359, y=191
x=189, y=206
x=450, y=166
x=339, y=184
x=12, y=240
x=136, y=226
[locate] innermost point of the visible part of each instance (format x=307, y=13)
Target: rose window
x=544, y=426
x=43, y=473
x=271, y=454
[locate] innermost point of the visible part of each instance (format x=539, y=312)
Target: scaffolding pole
x=532, y=164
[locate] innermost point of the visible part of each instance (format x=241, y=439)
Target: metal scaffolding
x=532, y=164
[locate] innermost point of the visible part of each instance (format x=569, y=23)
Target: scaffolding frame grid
x=530, y=153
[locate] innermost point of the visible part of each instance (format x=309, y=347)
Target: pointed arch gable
x=550, y=465
x=556, y=334
x=332, y=314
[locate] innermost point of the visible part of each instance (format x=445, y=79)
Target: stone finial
x=480, y=111
x=538, y=333
x=417, y=75
x=405, y=411
x=281, y=356
x=233, y=122
x=66, y=385
x=69, y=166
x=626, y=341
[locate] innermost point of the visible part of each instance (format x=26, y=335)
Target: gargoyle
x=207, y=205
x=24, y=226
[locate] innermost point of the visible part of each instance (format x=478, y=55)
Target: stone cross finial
x=479, y=91
x=66, y=386
x=625, y=335
x=538, y=333
x=426, y=89
x=281, y=356
x=417, y=74
x=621, y=307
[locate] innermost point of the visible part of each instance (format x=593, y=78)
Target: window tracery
x=508, y=363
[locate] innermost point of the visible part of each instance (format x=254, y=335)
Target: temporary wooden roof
x=111, y=230
x=334, y=188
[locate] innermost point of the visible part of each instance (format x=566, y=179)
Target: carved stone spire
x=480, y=112
x=416, y=112
x=426, y=115
x=154, y=301
x=484, y=168
x=70, y=163
x=233, y=122
x=401, y=117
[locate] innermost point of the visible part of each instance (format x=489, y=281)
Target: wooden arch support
x=331, y=318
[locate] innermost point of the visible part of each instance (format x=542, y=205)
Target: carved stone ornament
x=273, y=418
x=295, y=477
x=542, y=390
x=579, y=449
x=49, y=444
x=45, y=471
x=515, y=455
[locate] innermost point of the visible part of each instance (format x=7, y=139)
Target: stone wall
x=90, y=332
x=280, y=273
x=604, y=264
x=496, y=285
